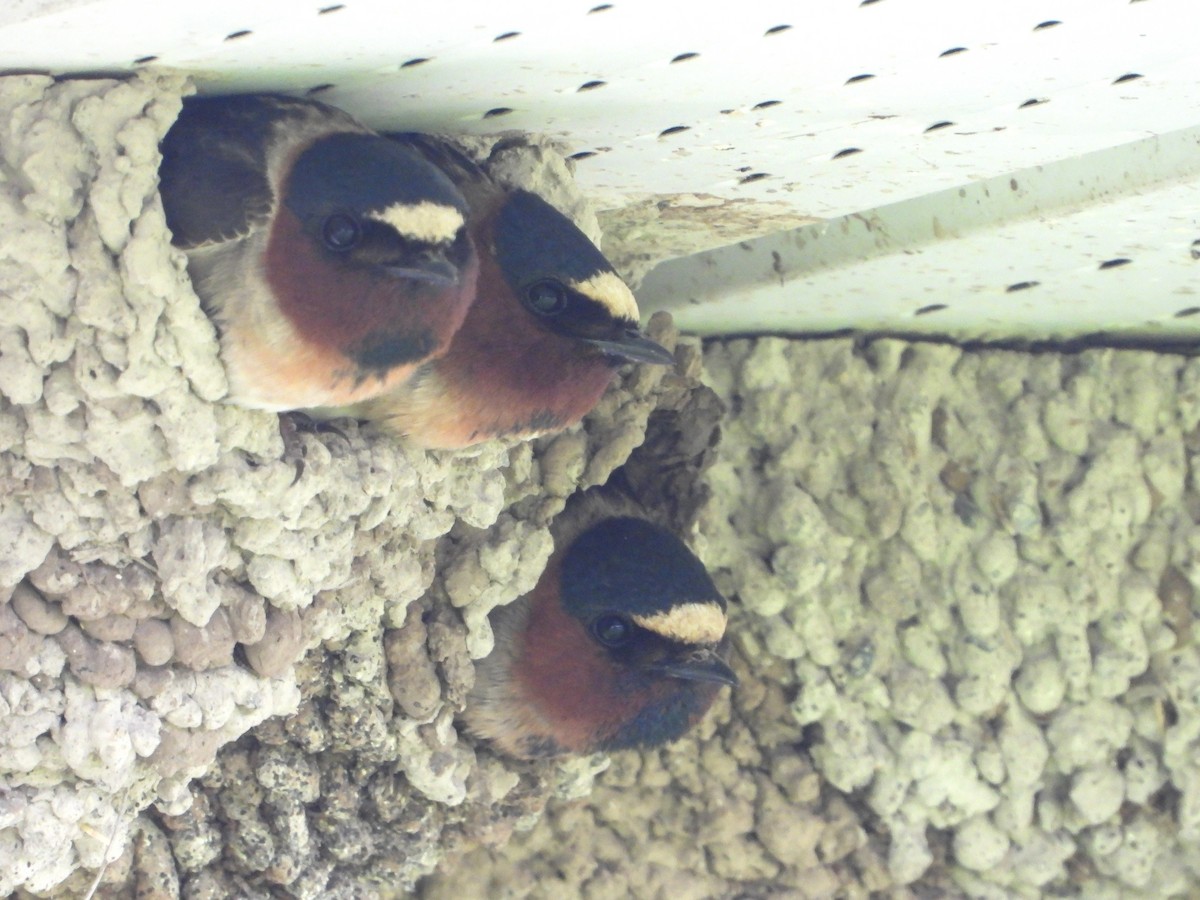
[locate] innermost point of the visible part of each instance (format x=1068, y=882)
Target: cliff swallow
x=619, y=645
x=332, y=260
x=550, y=324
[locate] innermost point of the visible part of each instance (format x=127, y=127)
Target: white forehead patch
x=433, y=223
x=609, y=289
x=687, y=623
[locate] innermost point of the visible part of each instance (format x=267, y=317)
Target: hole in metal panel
x=507, y=36
x=854, y=79
x=674, y=129
x=1128, y=76
x=326, y=10
x=766, y=104
x=1114, y=263
x=849, y=151
x=142, y=60
x=953, y=51
x=319, y=89
x=936, y=126
x=1021, y=286
x=931, y=308
x=1034, y=101
x=497, y=111
x=684, y=57
x=754, y=176
x=233, y=36
x=1187, y=310
x=776, y=29
x=415, y=61
x=590, y=86
x=582, y=154
x=1049, y=23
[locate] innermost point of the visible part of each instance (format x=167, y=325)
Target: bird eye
x=340, y=232
x=611, y=630
x=547, y=298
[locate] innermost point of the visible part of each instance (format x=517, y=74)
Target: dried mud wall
x=171, y=577
x=962, y=586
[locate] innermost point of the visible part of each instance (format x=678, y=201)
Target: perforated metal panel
x=1030, y=166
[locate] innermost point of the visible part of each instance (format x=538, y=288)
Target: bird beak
x=433, y=269
x=702, y=665
x=632, y=346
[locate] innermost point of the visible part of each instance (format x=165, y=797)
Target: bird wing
x=585, y=508
x=213, y=178
x=474, y=183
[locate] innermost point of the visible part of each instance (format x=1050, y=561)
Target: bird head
x=371, y=202
x=620, y=645
x=565, y=284
x=648, y=605
x=384, y=224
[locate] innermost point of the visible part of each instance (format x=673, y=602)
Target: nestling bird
x=551, y=323
x=619, y=645
x=332, y=260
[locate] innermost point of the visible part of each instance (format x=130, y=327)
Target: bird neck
x=671, y=708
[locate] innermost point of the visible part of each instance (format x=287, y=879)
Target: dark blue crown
x=534, y=241
x=362, y=172
x=633, y=566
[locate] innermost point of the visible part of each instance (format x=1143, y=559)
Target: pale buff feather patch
x=687, y=623
x=613, y=293
x=433, y=223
